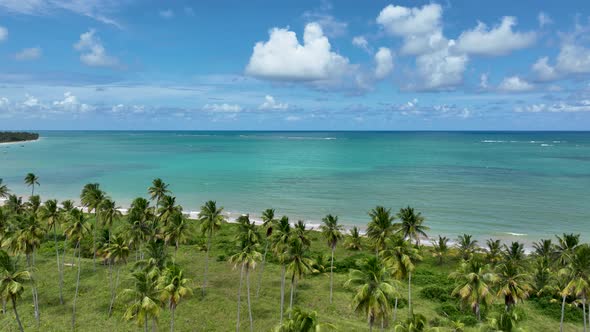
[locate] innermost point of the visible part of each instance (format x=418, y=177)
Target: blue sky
x=306, y=65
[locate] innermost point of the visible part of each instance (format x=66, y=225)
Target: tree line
x=12, y=136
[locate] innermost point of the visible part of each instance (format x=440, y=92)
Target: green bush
x=437, y=293
x=552, y=308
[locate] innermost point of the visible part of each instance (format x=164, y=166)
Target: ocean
x=509, y=185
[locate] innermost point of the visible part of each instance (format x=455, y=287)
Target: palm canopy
x=467, y=245
x=354, y=242
x=380, y=227
x=210, y=218
x=32, y=180
x=50, y=213
x=494, y=251
x=331, y=231
x=167, y=207
x=91, y=196
x=3, y=190
x=514, y=285
x=566, y=245
x=77, y=226
x=298, y=264
x=514, y=253
x=401, y=256
x=268, y=221
x=109, y=212
x=578, y=273
x=440, y=247
x=411, y=226
x=303, y=321
x=473, y=284
x=174, y=285
x=544, y=249
x=281, y=237
x=158, y=189
x=145, y=296
x=11, y=279
x=178, y=229
x=29, y=235
x=15, y=204
x=118, y=249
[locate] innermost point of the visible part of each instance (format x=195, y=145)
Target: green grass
x=217, y=310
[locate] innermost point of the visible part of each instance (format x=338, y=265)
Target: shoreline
x=21, y=142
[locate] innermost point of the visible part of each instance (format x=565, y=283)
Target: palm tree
x=280, y=242
x=177, y=230
x=174, y=287
x=353, y=242
x=401, y=256
x=579, y=276
x=33, y=204
x=332, y=232
x=15, y=204
x=117, y=251
x=167, y=208
x=298, y=264
x=512, y=284
x=494, y=251
x=92, y=197
x=210, y=219
x=544, y=249
x=380, y=227
x=12, y=283
x=246, y=258
x=303, y=321
x=145, y=295
x=3, y=190
x=414, y=323
x=51, y=215
x=467, y=245
x=268, y=223
x=374, y=289
x=109, y=213
x=139, y=219
x=440, y=248
x=514, y=254
x=78, y=227
x=411, y=225
x=157, y=190
x=566, y=246
x=473, y=285
x=31, y=180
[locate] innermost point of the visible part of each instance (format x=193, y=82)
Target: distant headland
x=11, y=136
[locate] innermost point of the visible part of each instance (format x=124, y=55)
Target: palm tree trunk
x=282, y=293
x=477, y=312
x=94, y=238
x=3, y=305
x=77, y=288
x=145, y=324
x=154, y=324
x=584, y=312
x=410, y=294
x=395, y=311
x=114, y=292
x=562, y=313
x=20, y=325
x=239, y=298
x=248, y=294
x=332, y=274
x=206, y=264
x=33, y=287
x=292, y=292
x=370, y=325
x=172, y=319
x=261, y=269
x=61, y=298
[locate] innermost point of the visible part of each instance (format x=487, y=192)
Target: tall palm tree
x=579, y=276
x=411, y=225
x=513, y=284
x=31, y=180
x=402, y=256
x=177, y=230
x=473, y=285
x=298, y=264
x=467, y=245
x=109, y=212
x=566, y=246
x=145, y=295
x=140, y=229
x=280, y=243
x=494, y=251
x=354, y=242
x=268, y=223
x=174, y=287
x=92, y=197
x=12, y=283
x=374, y=288
x=3, y=190
x=167, y=208
x=380, y=227
x=77, y=228
x=440, y=248
x=117, y=251
x=52, y=216
x=210, y=219
x=332, y=232
x=157, y=190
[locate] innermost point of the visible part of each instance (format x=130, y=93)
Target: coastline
x=21, y=142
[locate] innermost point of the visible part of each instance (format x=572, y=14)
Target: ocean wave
x=516, y=234
x=193, y=135
x=492, y=141
x=544, y=144
x=291, y=137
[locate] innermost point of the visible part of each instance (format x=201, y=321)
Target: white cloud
x=543, y=70
x=483, y=81
x=28, y=54
x=271, y=104
x=573, y=59
x=441, y=69
x=71, y=104
x=331, y=26
x=282, y=57
x=544, y=19
x=93, y=52
x=383, y=63
x=514, y=84
x=3, y=33
x=559, y=107
x=293, y=118
x=222, y=108
x=362, y=43
x=31, y=101
x=167, y=13
x=499, y=40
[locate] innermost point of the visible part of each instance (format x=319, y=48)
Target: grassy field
x=217, y=310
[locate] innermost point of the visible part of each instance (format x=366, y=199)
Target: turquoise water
x=510, y=185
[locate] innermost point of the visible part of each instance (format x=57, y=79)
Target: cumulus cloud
x=573, y=59
x=383, y=63
x=442, y=69
x=167, y=13
x=362, y=43
x=3, y=33
x=499, y=40
x=282, y=57
x=93, y=52
x=222, y=108
x=70, y=103
x=515, y=84
x=544, y=71
x=32, y=53
x=271, y=104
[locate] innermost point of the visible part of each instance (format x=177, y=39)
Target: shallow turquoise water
x=490, y=184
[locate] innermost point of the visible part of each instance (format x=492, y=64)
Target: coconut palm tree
x=52, y=216
x=91, y=197
x=401, y=256
x=303, y=321
x=493, y=252
x=15, y=204
x=513, y=284
x=158, y=190
x=466, y=245
x=354, y=242
x=177, y=230
x=301, y=232
x=440, y=248
x=174, y=287
x=12, y=283
x=332, y=232
x=77, y=228
x=473, y=285
x=117, y=251
x=31, y=180
x=33, y=204
x=109, y=212
x=544, y=249
x=280, y=243
x=210, y=219
x=578, y=273
x=380, y=227
x=374, y=289
x=411, y=225
x=566, y=246
x=3, y=190
x=298, y=264
x=145, y=294
x=268, y=223
x=514, y=254
x=140, y=228
x=167, y=207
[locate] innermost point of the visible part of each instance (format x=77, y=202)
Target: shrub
x=552, y=308
x=437, y=293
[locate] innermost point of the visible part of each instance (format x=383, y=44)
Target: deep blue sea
x=508, y=185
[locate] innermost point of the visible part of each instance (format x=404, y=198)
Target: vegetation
x=11, y=136
x=154, y=264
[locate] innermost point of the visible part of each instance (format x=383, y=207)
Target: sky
x=294, y=65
